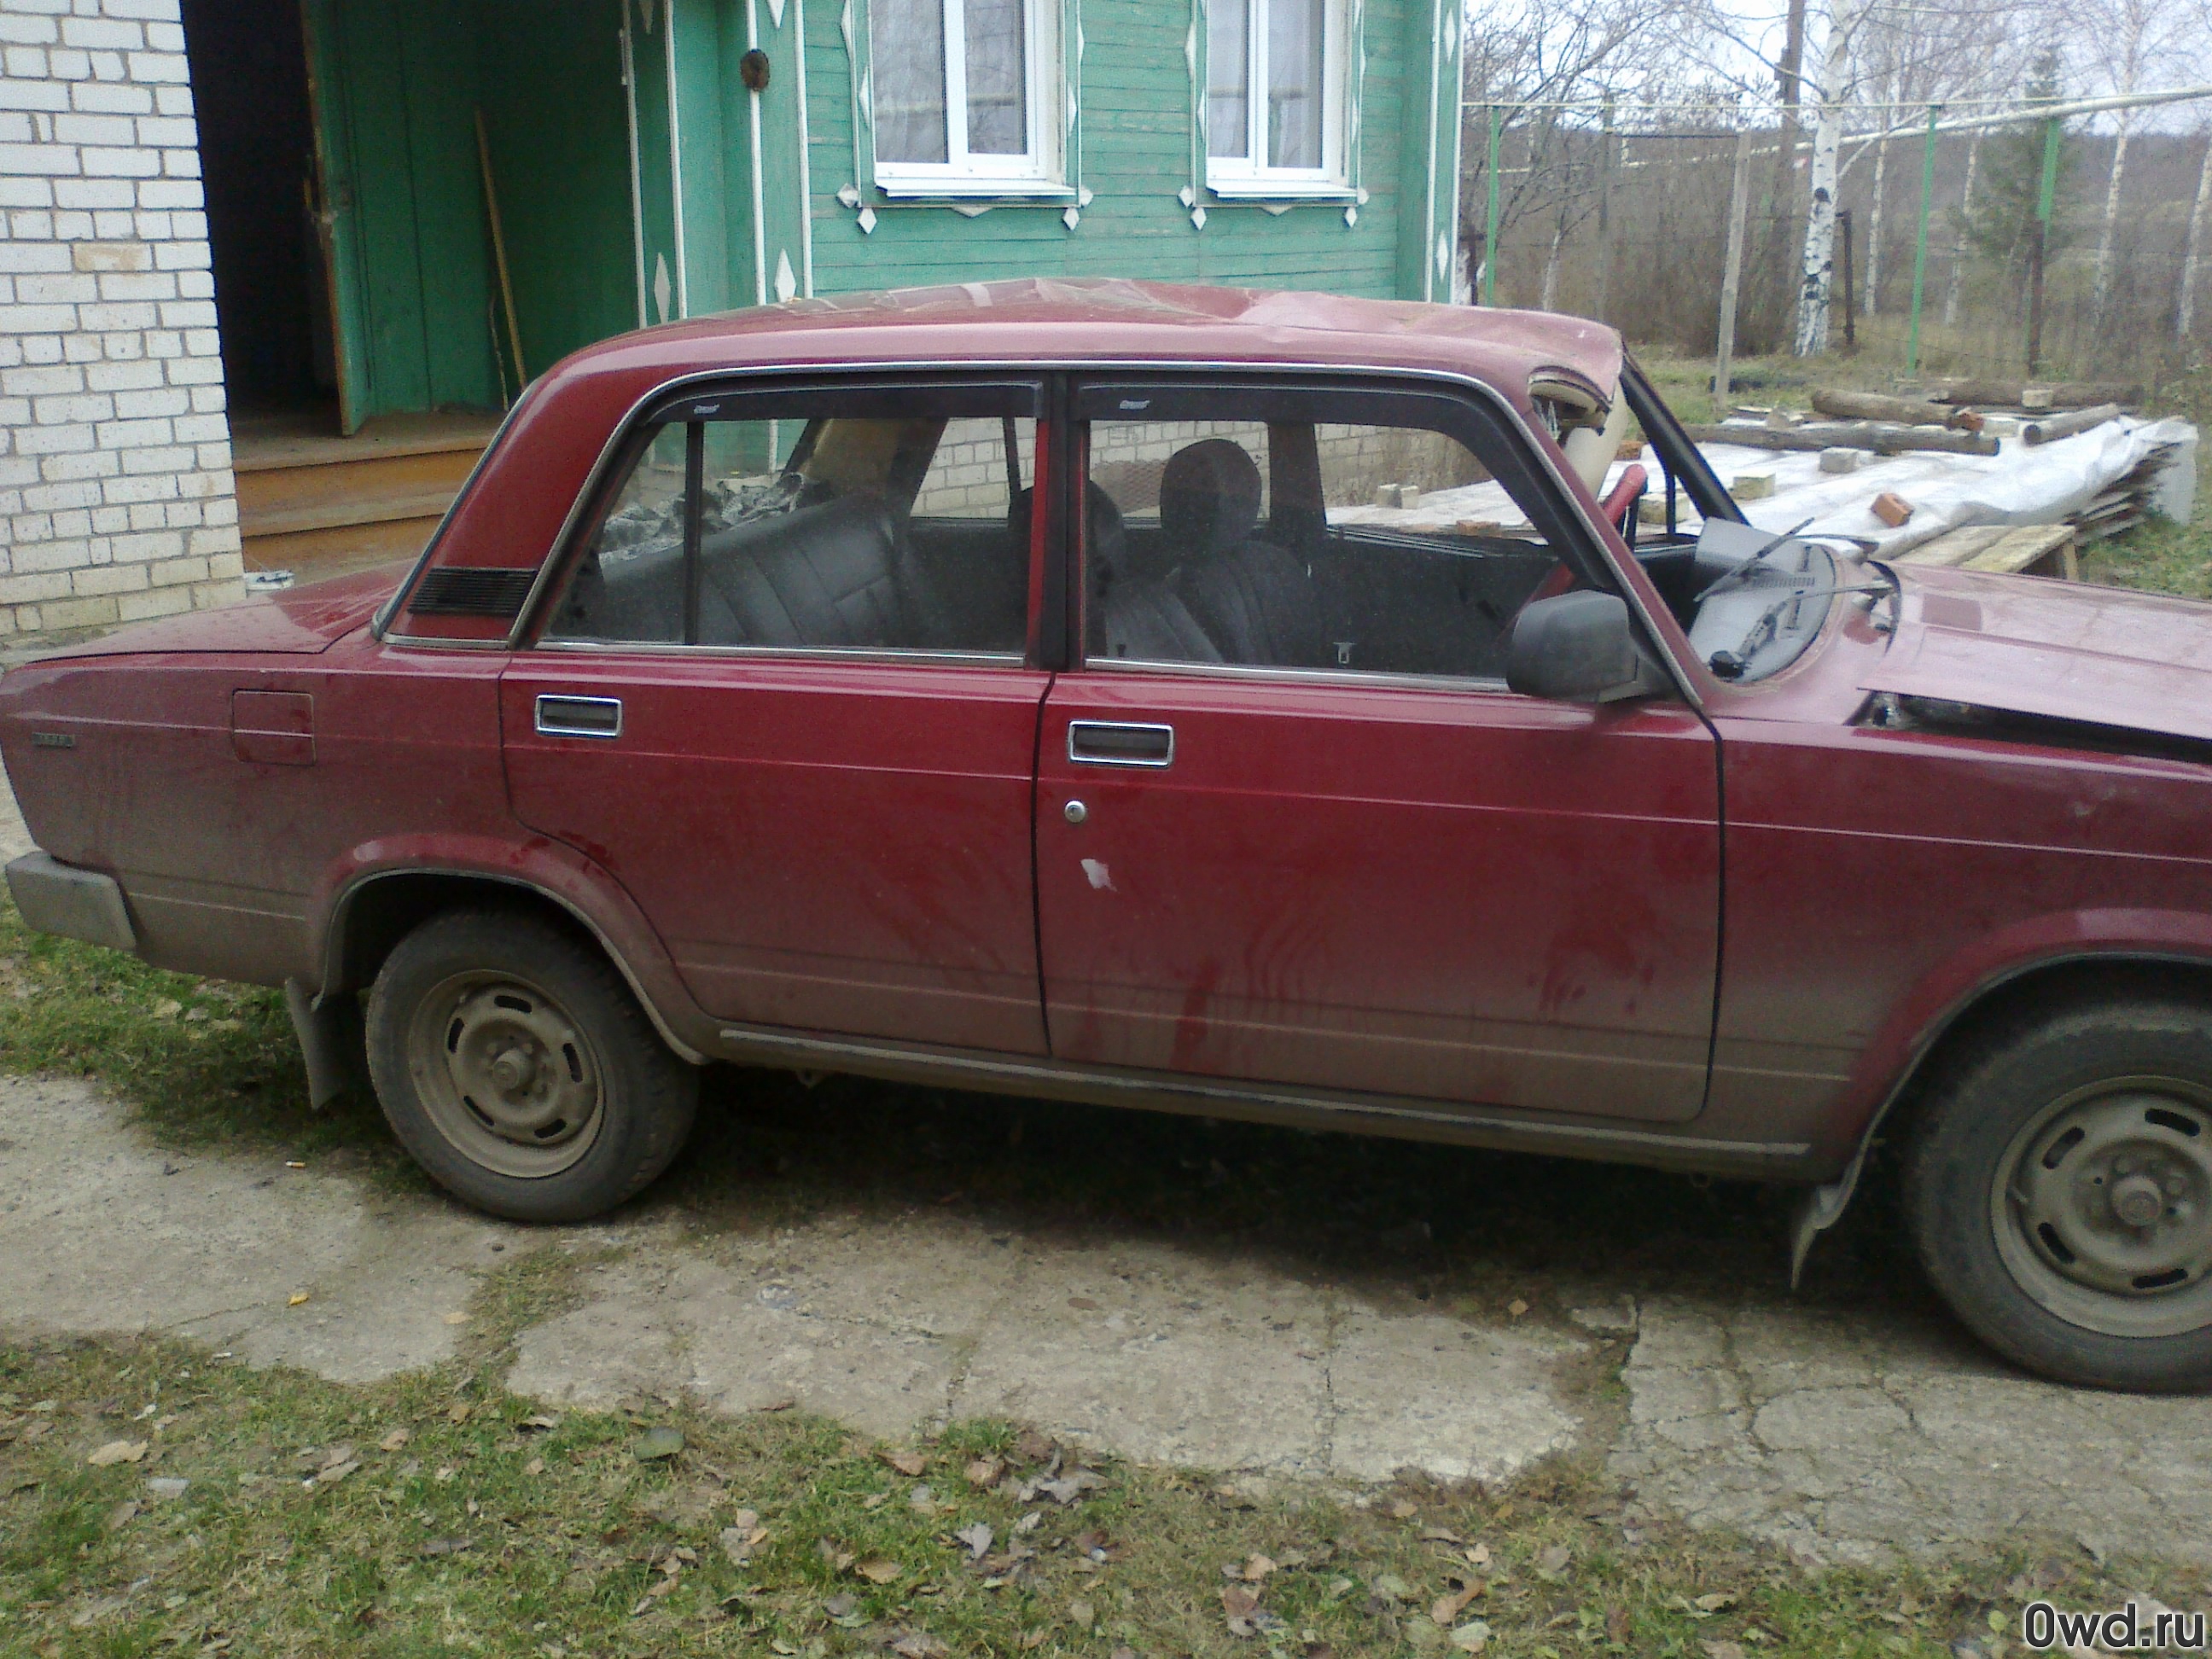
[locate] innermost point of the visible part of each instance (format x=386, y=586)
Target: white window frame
x=1248, y=175
x=1038, y=171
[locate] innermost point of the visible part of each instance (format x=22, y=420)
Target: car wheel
x=2060, y=1190
x=514, y=1064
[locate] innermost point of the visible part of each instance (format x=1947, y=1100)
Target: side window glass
x=1270, y=536
x=868, y=521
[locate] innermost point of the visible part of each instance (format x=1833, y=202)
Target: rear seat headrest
x=1209, y=497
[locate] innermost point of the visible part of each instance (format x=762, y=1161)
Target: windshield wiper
x=1731, y=664
x=1737, y=576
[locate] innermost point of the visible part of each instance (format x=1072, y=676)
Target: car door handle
x=562, y=716
x=1114, y=743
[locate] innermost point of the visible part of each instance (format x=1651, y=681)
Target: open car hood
x=2073, y=650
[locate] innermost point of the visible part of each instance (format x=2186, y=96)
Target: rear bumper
x=59, y=898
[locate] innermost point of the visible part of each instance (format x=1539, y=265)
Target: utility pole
x=1732, y=270
x=1605, y=211
x=2039, y=242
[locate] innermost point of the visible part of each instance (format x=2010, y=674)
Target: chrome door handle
x=562, y=716
x=1115, y=743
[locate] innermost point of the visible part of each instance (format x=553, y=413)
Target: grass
x=489, y=1530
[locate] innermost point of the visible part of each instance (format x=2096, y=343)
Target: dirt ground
x=1367, y=1308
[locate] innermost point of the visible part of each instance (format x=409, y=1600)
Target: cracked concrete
x=1852, y=1437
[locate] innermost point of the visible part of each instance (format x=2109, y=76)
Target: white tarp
x=2017, y=485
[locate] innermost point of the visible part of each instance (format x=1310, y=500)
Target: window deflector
x=1676, y=453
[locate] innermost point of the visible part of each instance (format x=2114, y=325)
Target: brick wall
x=115, y=479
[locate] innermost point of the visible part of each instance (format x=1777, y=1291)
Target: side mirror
x=1579, y=648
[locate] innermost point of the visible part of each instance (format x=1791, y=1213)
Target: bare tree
x=2113, y=43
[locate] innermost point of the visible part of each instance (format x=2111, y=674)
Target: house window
x=1274, y=95
x=963, y=91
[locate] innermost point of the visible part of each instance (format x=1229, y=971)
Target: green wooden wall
x=1132, y=149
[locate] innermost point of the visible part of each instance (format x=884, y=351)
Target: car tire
x=2058, y=1186
x=513, y=1061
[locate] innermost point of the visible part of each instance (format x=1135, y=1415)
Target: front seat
x=1254, y=600
x=1134, y=613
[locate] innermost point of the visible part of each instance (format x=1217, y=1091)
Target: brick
x=168, y=132
x=82, y=464
x=111, y=224
x=20, y=259
x=53, y=439
x=155, y=602
x=146, y=515
x=112, y=256
x=103, y=33
x=150, y=68
x=154, y=13
x=78, y=613
x=227, y=564
x=56, y=289
x=31, y=588
x=108, y=66
x=126, y=376
x=165, y=36
x=78, y=409
x=37, y=319
x=17, y=30
x=96, y=195
x=195, y=284
x=171, y=195
x=210, y=399
x=137, y=285
x=66, y=63
x=73, y=523
x=165, y=460
x=27, y=193
x=112, y=98
x=41, y=380
x=137, y=434
x=63, y=497
x=34, y=225
x=169, y=572
x=214, y=541
x=108, y=579
x=200, y=428
x=111, y=520
x=182, y=515
x=174, y=100
x=46, y=159
x=73, y=227
x=99, y=161
x=154, y=487
x=172, y=255
x=180, y=163
x=33, y=558
x=127, y=315
x=81, y=347
x=86, y=129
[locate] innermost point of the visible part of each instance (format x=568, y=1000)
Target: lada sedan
x=1263, y=705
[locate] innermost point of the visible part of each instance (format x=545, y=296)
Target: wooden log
x=2065, y=426
x=1874, y=406
x=1863, y=434
x=2076, y=394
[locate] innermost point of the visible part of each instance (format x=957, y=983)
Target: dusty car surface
x=1210, y=700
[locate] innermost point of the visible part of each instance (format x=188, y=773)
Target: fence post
x=1920, y=247
x=1489, y=221
x=1605, y=213
x=2045, y=198
x=1843, y=269
x=1732, y=269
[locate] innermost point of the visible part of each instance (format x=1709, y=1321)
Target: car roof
x=1057, y=320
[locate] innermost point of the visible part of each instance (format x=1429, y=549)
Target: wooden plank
x=1955, y=547
x=2046, y=549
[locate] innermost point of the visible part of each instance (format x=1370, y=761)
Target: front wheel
x=514, y=1064
x=2060, y=1193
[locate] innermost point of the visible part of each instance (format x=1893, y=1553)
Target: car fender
x=550, y=869
x=1949, y=991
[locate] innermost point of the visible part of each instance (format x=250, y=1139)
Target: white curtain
x=1229, y=78
x=1296, y=35
x=907, y=46
x=998, y=79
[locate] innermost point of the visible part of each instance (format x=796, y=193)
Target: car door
x=1291, y=826
x=783, y=695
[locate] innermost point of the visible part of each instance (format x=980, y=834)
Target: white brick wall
x=116, y=493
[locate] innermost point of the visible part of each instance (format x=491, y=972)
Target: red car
x=1209, y=700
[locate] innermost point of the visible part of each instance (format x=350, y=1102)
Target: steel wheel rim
x=508, y=1078
x=2102, y=1207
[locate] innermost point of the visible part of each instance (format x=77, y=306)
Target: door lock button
x=1076, y=811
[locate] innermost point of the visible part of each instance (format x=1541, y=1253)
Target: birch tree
x=1828, y=64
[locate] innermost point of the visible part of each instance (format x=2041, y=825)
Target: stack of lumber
x=2121, y=506
x=2036, y=549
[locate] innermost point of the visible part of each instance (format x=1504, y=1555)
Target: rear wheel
x=514, y=1064
x=2060, y=1191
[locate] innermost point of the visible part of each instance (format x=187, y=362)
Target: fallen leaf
x=1071, y=1486
x=456, y=1318
x=656, y=1444
x=1390, y=1587
x=117, y=1451
x=438, y=1547
x=835, y=1554
x=978, y=1540
x=1257, y=1569
x=1449, y=1607
x=1084, y=1302
x=394, y=1441
x=1472, y=1637
x=1723, y=1650
x=1123, y=1652
x=919, y=1645
x=782, y=1405
x=1029, y=1522
x=1618, y=1625
x=121, y=1515
x=1516, y=1307
x=1032, y=1447
x=168, y=1008
x=167, y=1486
x=1554, y=1559
x=984, y=1472
x=1401, y=1510
x=459, y=1411
x=539, y=1424
x=295, y=1299
x=1719, y=1601
x=1478, y=1554
x=738, y=1542
x=909, y=1463
x=1035, y=1639
x=1440, y=1535
x=332, y=1474
x=1081, y=1614
x=535, y=1465
x=1237, y=1601
x=877, y=1569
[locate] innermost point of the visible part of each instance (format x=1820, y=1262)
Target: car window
x=870, y=522
x=1261, y=533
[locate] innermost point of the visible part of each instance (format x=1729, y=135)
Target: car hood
x=2074, y=651
x=297, y=621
